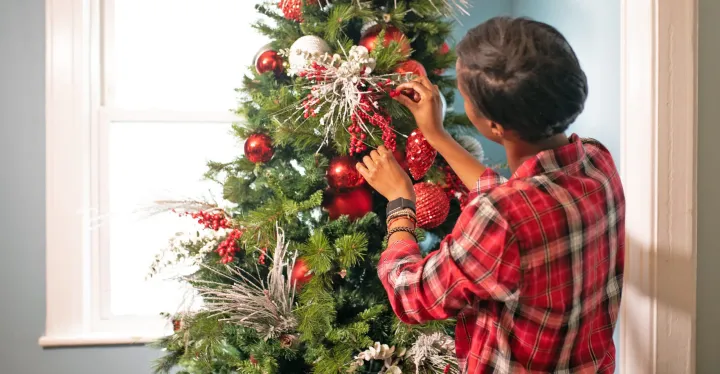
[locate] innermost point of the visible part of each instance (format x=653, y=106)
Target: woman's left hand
x=383, y=173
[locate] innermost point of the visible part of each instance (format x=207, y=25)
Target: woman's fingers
x=425, y=81
x=363, y=170
x=404, y=100
x=416, y=86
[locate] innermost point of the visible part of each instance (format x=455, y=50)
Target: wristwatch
x=399, y=204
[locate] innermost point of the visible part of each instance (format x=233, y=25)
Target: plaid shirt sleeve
x=480, y=260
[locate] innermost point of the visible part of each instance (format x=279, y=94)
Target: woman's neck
x=519, y=151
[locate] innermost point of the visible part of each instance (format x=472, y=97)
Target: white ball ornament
x=303, y=49
x=366, y=26
x=444, y=105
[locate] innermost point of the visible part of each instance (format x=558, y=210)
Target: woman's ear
x=497, y=129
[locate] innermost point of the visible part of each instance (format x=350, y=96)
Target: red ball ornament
x=267, y=61
x=369, y=40
x=354, y=203
x=420, y=154
x=300, y=273
x=292, y=9
x=258, y=148
x=342, y=173
x=444, y=49
x=411, y=66
x=432, y=205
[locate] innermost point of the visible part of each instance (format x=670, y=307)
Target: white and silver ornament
x=444, y=105
x=304, y=50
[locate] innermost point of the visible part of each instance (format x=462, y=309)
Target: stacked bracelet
x=393, y=230
x=408, y=214
x=398, y=205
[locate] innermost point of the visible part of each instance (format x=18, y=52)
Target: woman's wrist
x=438, y=137
x=401, y=222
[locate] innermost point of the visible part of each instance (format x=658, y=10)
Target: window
x=139, y=94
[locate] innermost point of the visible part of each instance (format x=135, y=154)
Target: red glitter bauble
x=369, y=40
x=420, y=154
x=355, y=204
x=292, y=9
x=342, y=173
x=432, y=205
x=300, y=273
x=411, y=66
x=258, y=148
x=267, y=61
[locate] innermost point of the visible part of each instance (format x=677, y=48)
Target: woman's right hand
x=425, y=105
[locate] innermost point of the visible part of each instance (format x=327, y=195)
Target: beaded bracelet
x=390, y=223
x=405, y=213
x=394, y=230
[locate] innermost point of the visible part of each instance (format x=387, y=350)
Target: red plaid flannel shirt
x=532, y=271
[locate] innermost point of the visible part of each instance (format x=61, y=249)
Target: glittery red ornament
x=369, y=40
x=292, y=9
x=267, y=61
x=258, y=148
x=300, y=273
x=411, y=66
x=342, y=173
x=419, y=154
x=432, y=205
x=354, y=203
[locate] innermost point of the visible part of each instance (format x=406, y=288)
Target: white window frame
x=77, y=122
x=658, y=161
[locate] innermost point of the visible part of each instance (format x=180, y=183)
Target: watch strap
x=399, y=204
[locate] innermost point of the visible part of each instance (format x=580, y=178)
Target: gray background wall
x=708, y=201
x=593, y=30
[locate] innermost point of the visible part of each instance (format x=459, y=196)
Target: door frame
x=659, y=65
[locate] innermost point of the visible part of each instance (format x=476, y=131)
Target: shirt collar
x=552, y=160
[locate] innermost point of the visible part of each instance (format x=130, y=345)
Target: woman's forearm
x=465, y=165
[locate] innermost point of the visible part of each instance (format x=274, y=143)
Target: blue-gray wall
x=593, y=30
x=708, y=201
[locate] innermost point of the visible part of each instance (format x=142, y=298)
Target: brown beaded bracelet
x=414, y=222
x=406, y=229
x=405, y=213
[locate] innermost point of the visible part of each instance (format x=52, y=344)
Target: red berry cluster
x=229, y=246
x=370, y=112
x=455, y=186
x=315, y=73
x=210, y=220
x=263, y=255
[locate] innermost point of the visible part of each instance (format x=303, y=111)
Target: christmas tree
x=287, y=267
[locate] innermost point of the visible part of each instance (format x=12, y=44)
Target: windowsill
x=94, y=340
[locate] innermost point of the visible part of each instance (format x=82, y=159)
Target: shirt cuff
x=487, y=181
x=397, y=250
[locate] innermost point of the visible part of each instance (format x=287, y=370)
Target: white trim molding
x=67, y=189
x=658, y=163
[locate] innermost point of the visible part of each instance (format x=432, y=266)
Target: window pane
x=150, y=162
x=184, y=55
